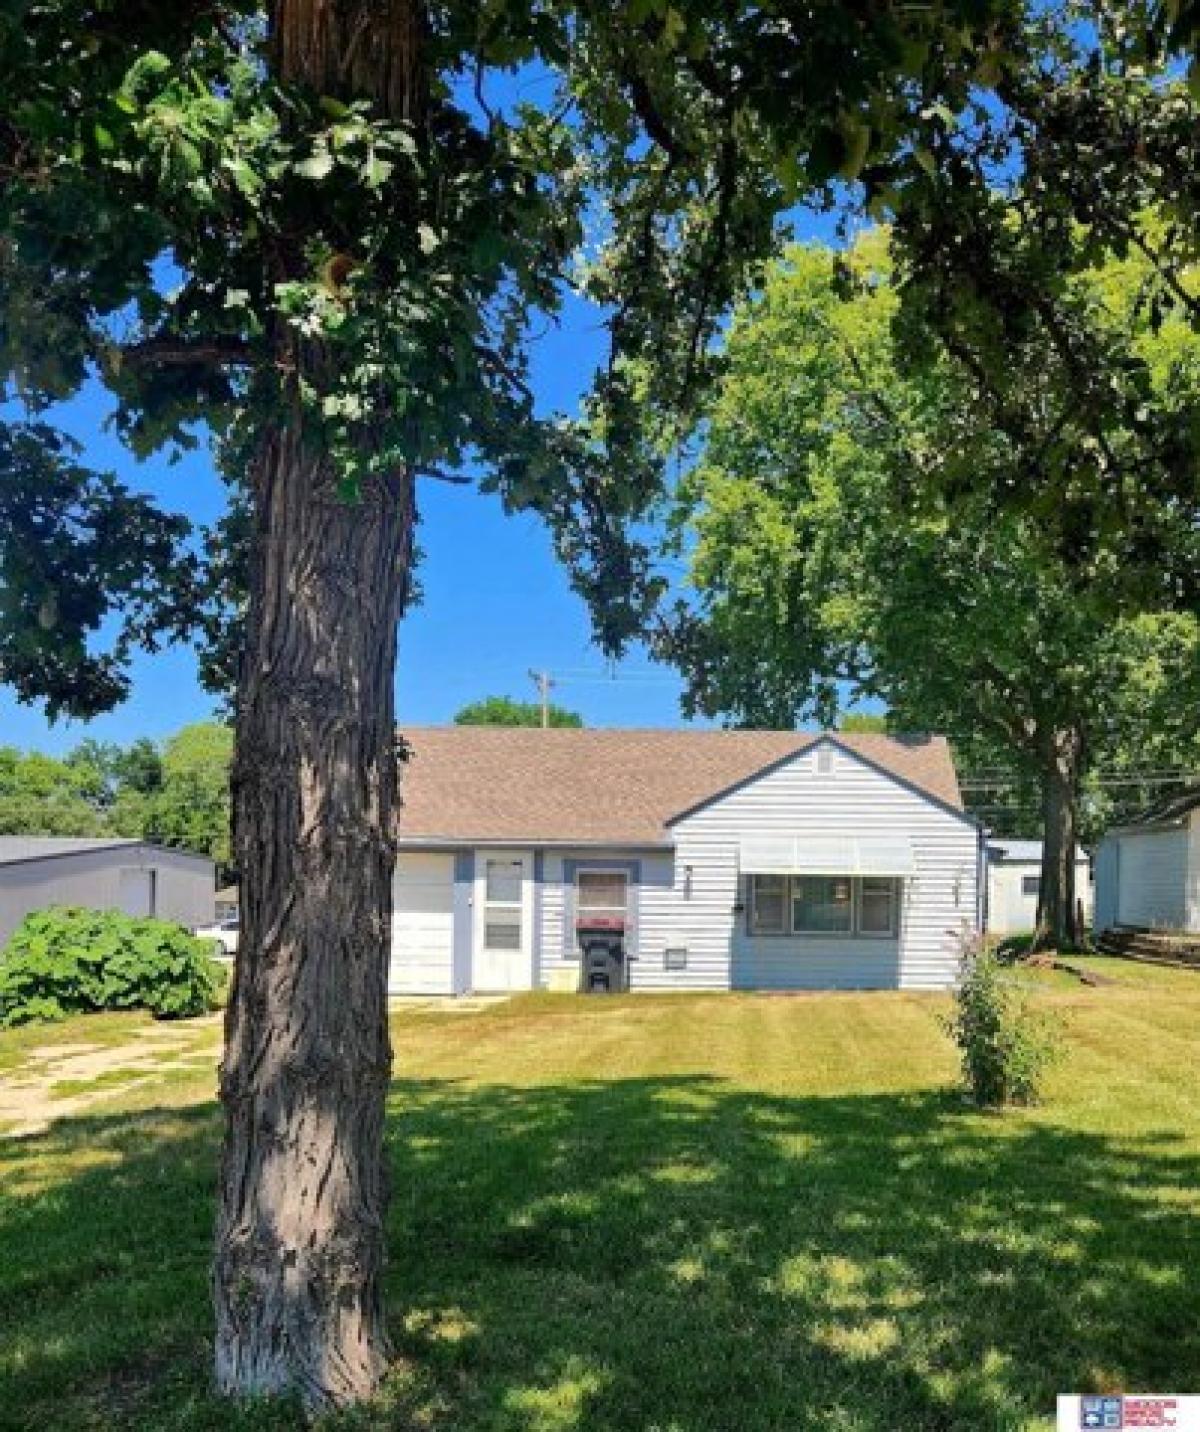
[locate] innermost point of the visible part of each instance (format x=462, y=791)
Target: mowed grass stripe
x=697, y=1213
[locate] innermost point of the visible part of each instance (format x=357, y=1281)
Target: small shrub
x=1014, y=948
x=72, y=961
x=1006, y=1047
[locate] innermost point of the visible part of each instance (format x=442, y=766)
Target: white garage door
x=422, y=925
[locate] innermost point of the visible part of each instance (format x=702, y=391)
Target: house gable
x=853, y=802
x=809, y=755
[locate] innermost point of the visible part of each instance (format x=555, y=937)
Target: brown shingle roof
x=563, y=785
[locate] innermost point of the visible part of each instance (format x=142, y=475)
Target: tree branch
x=647, y=111
x=171, y=352
x=456, y=479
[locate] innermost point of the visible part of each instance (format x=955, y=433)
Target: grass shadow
x=653, y=1253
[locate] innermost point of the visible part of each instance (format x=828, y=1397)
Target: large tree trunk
x=299, y=1256
x=297, y=1274
x=1058, y=915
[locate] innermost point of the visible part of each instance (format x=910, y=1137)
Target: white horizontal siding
x=663, y=927
x=549, y=955
x=851, y=800
x=1010, y=910
x=1192, y=894
x=698, y=923
x=1152, y=878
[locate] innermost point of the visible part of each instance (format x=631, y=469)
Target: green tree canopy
x=176, y=794
x=821, y=561
x=40, y=795
x=507, y=711
x=191, y=806
x=1001, y=231
x=877, y=722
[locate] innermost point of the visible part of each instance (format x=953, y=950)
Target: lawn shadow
x=667, y=1253
x=674, y=1253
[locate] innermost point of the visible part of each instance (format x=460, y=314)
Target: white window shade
x=804, y=855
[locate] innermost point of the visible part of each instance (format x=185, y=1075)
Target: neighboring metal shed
x=131, y=875
x=1148, y=869
x=1014, y=882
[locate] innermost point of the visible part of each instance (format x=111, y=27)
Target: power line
x=601, y=678
x=1104, y=781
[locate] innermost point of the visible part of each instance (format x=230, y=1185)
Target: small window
x=768, y=904
x=602, y=892
x=675, y=958
x=1031, y=884
x=877, y=906
x=824, y=760
x=504, y=882
x=822, y=903
x=502, y=931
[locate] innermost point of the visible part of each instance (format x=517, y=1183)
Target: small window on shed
x=1031, y=884
x=675, y=958
x=824, y=760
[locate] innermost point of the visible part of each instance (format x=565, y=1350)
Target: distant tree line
x=174, y=792
x=506, y=711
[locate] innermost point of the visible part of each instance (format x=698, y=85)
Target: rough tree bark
x=1058, y=917
x=298, y=1266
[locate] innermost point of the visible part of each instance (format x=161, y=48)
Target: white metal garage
x=102, y=873
x=1148, y=870
x=422, y=925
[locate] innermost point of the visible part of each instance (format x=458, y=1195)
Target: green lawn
x=723, y=1213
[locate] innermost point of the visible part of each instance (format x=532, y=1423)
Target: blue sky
x=495, y=602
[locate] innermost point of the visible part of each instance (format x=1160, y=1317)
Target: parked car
x=223, y=933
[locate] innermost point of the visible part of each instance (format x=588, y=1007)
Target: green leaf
x=856, y=134
x=377, y=171
x=317, y=166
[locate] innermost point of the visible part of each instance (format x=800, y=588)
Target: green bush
x=1006, y=1047
x=71, y=961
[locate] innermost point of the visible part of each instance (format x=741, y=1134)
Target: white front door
x=503, y=921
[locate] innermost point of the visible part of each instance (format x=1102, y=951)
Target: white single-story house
x=102, y=874
x=680, y=860
x=1148, y=868
x=1015, y=880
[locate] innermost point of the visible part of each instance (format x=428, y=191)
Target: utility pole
x=543, y=681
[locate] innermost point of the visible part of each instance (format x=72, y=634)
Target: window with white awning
x=840, y=855
x=797, y=885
